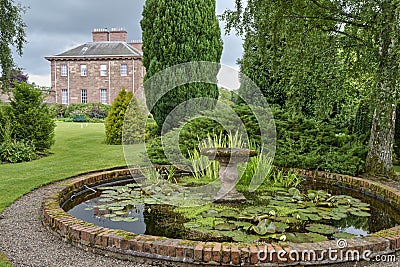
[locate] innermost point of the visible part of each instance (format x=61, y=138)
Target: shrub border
x=176, y=252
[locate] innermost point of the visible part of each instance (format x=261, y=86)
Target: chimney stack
x=118, y=35
x=100, y=35
x=113, y=35
x=137, y=44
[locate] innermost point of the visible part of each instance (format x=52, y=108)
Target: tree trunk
x=379, y=158
x=380, y=149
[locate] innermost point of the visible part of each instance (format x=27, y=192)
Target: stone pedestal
x=228, y=173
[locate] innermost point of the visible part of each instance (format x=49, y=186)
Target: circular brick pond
x=178, y=252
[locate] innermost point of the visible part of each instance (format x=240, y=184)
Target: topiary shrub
x=115, y=119
x=31, y=119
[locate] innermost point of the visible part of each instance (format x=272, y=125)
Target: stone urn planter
x=228, y=158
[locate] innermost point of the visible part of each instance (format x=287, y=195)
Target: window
x=103, y=70
x=83, y=96
x=124, y=70
x=64, y=70
x=64, y=96
x=83, y=70
x=103, y=96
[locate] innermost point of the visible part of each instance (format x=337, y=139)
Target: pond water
x=145, y=217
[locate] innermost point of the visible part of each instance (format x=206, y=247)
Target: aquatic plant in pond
x=285, y=215
x=291, y=216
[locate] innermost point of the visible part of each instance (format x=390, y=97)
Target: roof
x=100, y=49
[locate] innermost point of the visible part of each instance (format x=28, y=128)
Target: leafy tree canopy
x=12, y=32
x=309, y=38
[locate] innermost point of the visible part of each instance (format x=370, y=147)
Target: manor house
x=96, y=71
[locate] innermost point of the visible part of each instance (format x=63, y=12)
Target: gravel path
x=27, y=243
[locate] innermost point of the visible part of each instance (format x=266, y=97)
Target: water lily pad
x=210, y=213
x=106, y=199
x=131, y=219
x=245, y=238
x=360, y=213
x=300, y=216
x=298, y=238
x=117, y=219
x=314, y=217
x=111, y=215
x=133, y=185
x=88, y=208
x=317, y=237
x=225, y=227
x=229, y=213
x=150, y=201
x=343, y=235
x=321, y=229
x=261, y=228
x=116, y=208
x=120, y=212
x=289, y=220
x=280, y=226
x=242, y=224
x=266, y=227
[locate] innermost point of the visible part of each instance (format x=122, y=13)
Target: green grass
x=78, y=148
x=4, y=261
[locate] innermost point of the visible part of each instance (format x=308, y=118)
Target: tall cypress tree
x=175, y=32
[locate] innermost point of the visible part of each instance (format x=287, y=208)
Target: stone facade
x=97, y=71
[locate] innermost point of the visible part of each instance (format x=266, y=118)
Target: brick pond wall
x=176, y=252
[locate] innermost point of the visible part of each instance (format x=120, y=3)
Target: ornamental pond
x=311, y=212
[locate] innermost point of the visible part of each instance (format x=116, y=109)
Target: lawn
x=79, y=148
x=3, y=261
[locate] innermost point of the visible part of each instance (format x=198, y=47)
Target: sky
x=56, y=26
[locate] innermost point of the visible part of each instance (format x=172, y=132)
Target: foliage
x=177, y=32
x=115, y=119
x=15, y=76
x=31, y=118
x=151, y=131
x=258, y=167
x=5, y=123
x=12, y=31
x=16, y=151
x=201, y=165
x=134, y=123
x=301, y=142
x=91, y=111
x=345, y=42
x=308, y=144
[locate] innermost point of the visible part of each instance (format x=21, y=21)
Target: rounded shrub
x=32, y=120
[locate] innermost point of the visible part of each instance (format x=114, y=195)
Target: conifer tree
x=174, y=32
x=115, y=118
